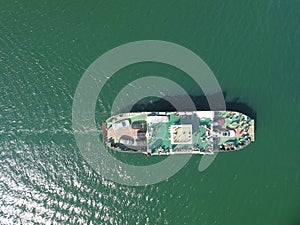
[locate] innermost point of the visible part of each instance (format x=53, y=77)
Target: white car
x=118, y=125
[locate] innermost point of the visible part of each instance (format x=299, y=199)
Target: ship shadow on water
x=151, y=104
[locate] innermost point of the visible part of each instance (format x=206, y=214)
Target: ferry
x=166, y=133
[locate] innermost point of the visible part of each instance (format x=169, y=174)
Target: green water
x=253, y=49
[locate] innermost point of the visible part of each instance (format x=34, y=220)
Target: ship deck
x=199, y=132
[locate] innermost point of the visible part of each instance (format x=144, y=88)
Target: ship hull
x=168, y=133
